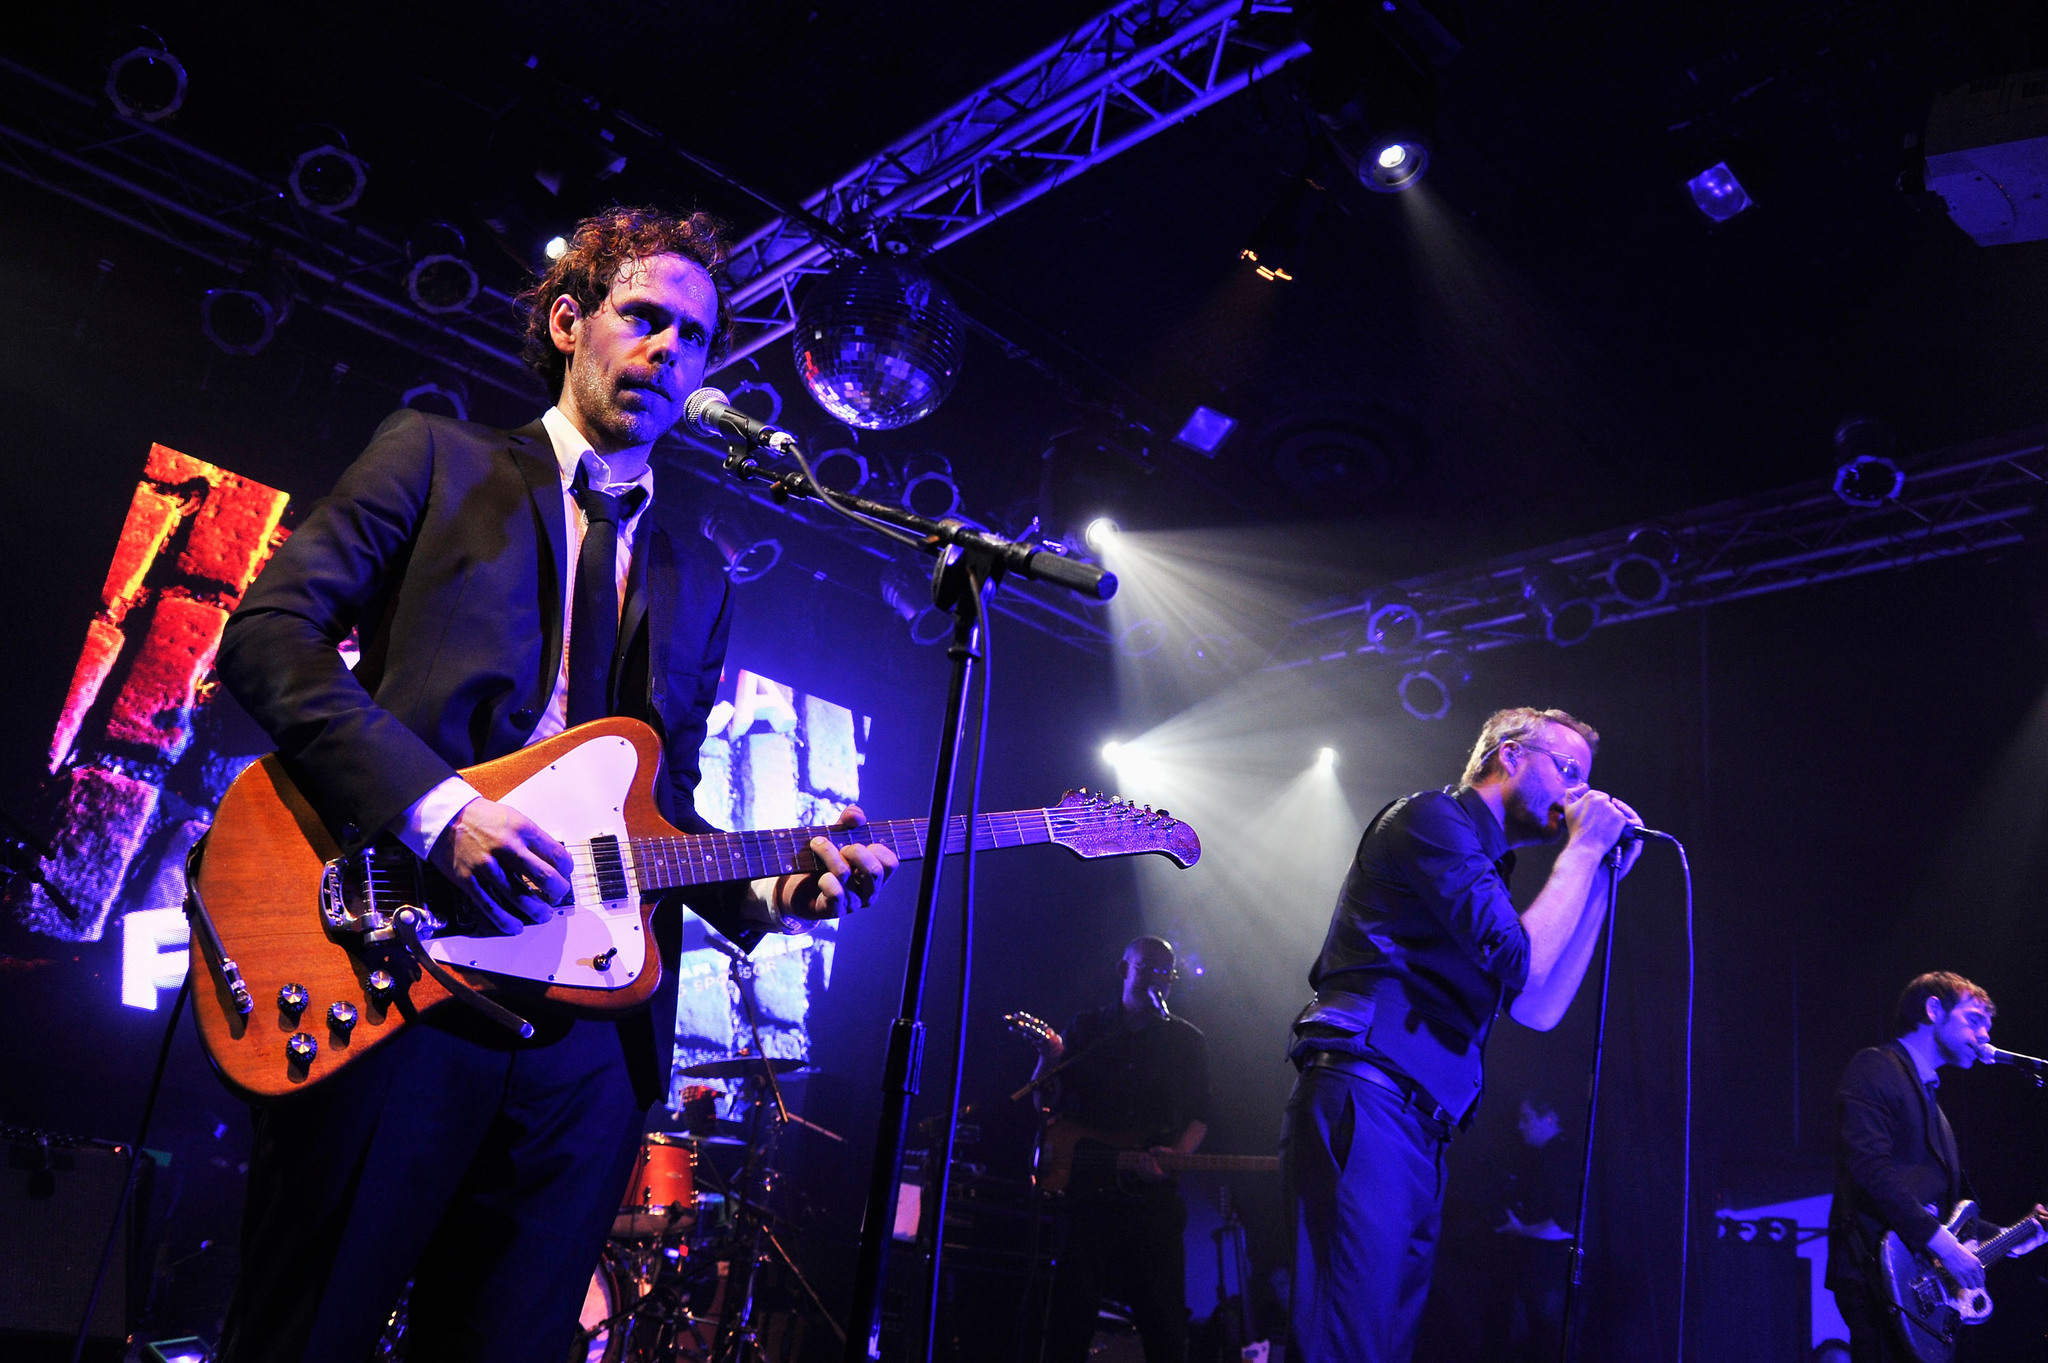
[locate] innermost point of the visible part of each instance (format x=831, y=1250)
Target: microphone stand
x=970, y=564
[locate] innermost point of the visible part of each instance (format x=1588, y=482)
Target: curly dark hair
x=599, y=247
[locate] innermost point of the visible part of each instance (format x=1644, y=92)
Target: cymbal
x=744, y=1066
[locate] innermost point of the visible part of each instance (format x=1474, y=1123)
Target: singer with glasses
x=1423, y=949
x=1130, y=1076
x=505, y=586
x=1896, y=1164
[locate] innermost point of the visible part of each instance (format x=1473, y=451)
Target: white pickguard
x=579, y=796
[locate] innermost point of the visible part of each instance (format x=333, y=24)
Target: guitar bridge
x=361, y=894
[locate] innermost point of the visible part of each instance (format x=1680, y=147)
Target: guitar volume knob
x=381, y=986
x=342, y=1017
x=292, y=999
x=301, y=1048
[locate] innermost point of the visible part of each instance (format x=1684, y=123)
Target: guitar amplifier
x=57, y=1200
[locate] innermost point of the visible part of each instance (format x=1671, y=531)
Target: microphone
x=1153, y=993
x=1991, y=1055
x=709, y=412
x=1636, y=832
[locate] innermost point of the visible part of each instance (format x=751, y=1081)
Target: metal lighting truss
x=1111, y=84
x=164, y=187
x=1963, y=500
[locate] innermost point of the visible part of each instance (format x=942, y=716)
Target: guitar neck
x=672, y=863
x=2002, y=1243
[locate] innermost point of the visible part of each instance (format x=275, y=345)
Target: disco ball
x=878, y=344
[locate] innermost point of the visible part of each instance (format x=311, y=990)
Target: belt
x=1411, y=1094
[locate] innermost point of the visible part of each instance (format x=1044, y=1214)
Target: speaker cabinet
x=57, y=1200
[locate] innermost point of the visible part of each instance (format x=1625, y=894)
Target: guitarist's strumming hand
x=1959, y=1259
x=505, y=862
x=847, y=879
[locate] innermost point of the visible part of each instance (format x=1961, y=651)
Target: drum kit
x=678, y=1278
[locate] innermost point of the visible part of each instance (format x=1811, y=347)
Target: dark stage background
x=1859, y=770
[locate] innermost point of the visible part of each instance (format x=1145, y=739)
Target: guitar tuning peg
x=1164, y=814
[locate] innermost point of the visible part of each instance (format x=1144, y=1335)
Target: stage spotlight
x=841, y=469
x=1866, y=473
x=1426, y=691
x=1569, y=614
x=908, y=594
x=555, y=248
x=1641, y=573
x=1718, y=193
x=928, y=487
x=1205, y=429
x=1394, y=628
x=1111, y=751
x=1100, y=534
x=1326, y=758
x=1396, y=166
x=746, y=559
x=328, y=177
x=442, y=281
x=878, y=343
x=243, y=320
x=1143, y=639
x=146, y=82
x=442, y=399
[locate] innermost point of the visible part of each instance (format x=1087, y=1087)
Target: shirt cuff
x=420, y=827
x=758, y=907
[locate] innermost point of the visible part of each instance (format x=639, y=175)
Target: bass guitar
x=1072, y=1156
x=315, y=957
x=1931, y=1307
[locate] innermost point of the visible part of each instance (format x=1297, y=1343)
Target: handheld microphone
x=709, y=412
x=1153, y=993
x=1991, y=1055
x=1635, y=832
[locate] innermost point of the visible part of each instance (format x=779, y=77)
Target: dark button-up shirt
x=1139, y=1075
x=1424, y=945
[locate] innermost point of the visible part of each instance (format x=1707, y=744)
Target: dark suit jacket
x=443, y=546
x=1895, y=1155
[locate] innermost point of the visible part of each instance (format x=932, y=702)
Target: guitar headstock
x=1091, y=824
x=1035, y=1030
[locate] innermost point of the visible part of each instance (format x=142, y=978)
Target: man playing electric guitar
x=1897, y=1168
x=1131, y=1067
x=504, y=586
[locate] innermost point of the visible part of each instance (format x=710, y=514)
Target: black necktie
x=594, y=608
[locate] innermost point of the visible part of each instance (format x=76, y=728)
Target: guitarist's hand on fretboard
x=847, y=877
x=2038, y=1238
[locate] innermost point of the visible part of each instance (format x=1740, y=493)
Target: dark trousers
x=1364, y=1179
x=1131, y=1241
x=487, y=1175
x=1873, y=1334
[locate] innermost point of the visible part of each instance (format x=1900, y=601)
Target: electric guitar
x=304, y=958
x=1073, y=1155
x=1931, y=1307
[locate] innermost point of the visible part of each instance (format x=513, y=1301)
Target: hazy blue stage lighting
x=1100, y=533
x=1206, y=429
x=556, y=248
x=1718, y=193
x=1110, y=750
x=1326, y=758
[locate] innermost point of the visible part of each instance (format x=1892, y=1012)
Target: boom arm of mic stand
x=1002, y=555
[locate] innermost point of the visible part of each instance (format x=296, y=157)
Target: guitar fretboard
x=706, y=858
x=2000, y=1244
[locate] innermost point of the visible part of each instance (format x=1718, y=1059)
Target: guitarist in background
x=1896, y=1165
x=485, y=1169
x=1137, y=1072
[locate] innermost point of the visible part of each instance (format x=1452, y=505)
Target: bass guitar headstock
x=1091, y=824
x=1035, y=1030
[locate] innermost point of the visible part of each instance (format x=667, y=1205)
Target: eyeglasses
x=1155, y=973
x=1567, y=766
